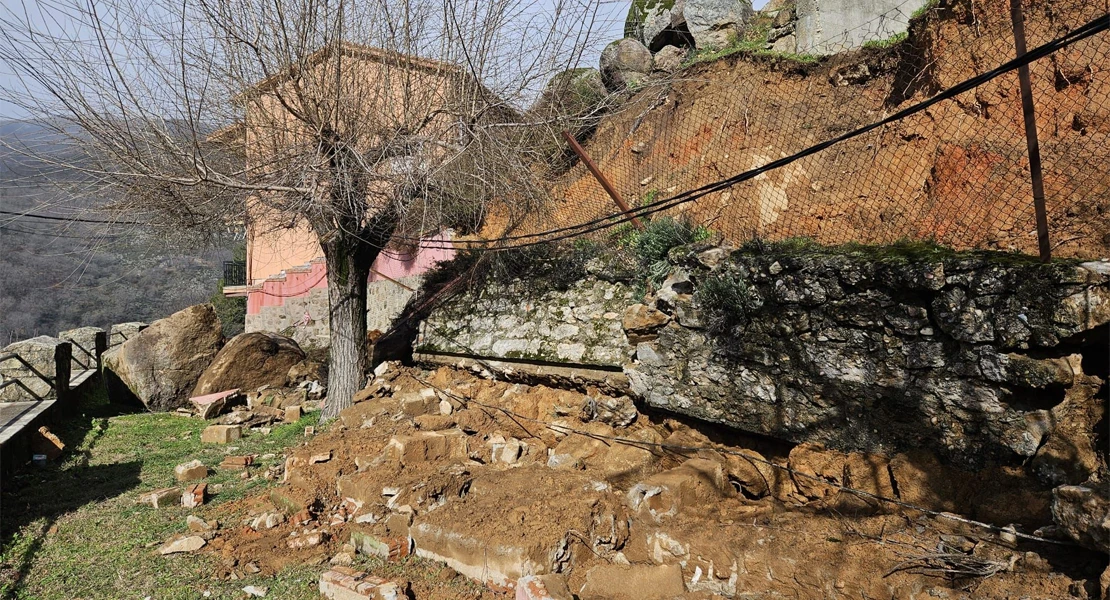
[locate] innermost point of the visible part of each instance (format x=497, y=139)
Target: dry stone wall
x=980, y=359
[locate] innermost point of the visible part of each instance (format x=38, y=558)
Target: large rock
x=161, y=365
x=716, y=24
x=656, y=22
x=624, y=63
x=1083, y=511
x=250, y=361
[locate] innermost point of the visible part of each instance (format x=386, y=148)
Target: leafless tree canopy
x=366, y=121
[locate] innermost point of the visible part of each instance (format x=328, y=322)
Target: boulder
x=250, y=361
x=121, y=332
x=669, y=59
x=161, y=364
x=1083, y=512
x=657, y=23
x=624, y=63
x=716, y=24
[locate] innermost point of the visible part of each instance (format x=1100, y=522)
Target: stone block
x=190, y=471
x=221, y=434
x=292, y=414
x=161, y=498
x=428, y=446
x=237, y=462
x=634, y=582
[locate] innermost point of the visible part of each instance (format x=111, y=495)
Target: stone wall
x=384, y=302
x=981, y=359
x=579, y=325
x=41, y=353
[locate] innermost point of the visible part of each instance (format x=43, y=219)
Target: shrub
x=726, y=301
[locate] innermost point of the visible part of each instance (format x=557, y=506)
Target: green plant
x=652, y=244
x=726, y=301
x=889, y=42
x=930, y=5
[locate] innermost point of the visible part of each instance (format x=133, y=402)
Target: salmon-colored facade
x=286, y=278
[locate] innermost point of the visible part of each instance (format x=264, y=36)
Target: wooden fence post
x=63, y=354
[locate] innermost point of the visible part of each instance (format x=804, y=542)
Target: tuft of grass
x=73, y=529
x=652, y=244
x=889, y=42
x=726, y=301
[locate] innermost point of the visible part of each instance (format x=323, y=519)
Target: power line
x=19, y=215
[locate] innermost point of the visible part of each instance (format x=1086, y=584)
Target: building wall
x=296, y=299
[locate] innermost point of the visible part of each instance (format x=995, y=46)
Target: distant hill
x=55, y=275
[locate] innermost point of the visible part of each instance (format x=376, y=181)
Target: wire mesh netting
x=957, y=173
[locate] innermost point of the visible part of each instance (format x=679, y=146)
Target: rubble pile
x=554, y=493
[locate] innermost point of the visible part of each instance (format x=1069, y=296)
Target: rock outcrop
x=704, y=24
x=161, y=364
x=249, y=361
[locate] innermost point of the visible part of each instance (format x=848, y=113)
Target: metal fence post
x=604, y=181
x=1031, y=140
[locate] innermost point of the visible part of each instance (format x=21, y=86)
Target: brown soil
x=957, y=173
x=733, y=525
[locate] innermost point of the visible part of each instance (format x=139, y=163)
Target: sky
x=612, y=16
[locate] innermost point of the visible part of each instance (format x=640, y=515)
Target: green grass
x=74, y=530
x=889, y=42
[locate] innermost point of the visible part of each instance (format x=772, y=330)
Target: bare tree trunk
x=348, y=272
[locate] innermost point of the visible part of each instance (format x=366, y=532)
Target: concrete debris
x=209, y=406
x=319, y=458
x=543, y=587
x=292, y=414
x=190, y=471
x=190, y=543
x=256, y=591
x=267, y=521
x=634, y=582
x=161, y=498
x=197, y=524
x=306, y=539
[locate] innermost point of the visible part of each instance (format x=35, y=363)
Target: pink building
x=285, y=280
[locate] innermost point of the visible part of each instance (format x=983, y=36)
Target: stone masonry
x=982, y=359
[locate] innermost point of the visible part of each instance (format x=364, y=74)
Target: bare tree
x=362, y=122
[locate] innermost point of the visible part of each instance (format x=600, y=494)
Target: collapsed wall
x=979, y=359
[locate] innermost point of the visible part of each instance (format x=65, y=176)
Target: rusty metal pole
x=1032, y=142
x=609, y=189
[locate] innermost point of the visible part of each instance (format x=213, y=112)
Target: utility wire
x=1095, y=26
x=20, y=215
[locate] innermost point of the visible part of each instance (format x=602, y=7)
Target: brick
x=161, y=498
x=221, y=434
x=342, y=583
x=45, y=442
x=237, y=462
x=190, y=471
x=194, y=495
x=389, y=548
x=426, y=446
x=543, y=587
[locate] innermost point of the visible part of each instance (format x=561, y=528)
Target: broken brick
x=342, y=583
x=45, y=442
x=194, y=495
x=389, y=548
x=237, y=462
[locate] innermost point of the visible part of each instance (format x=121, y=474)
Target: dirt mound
x=499, y=480
x=956, y=173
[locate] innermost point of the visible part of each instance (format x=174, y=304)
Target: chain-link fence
x=957, y=173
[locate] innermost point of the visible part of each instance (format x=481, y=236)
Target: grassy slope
x=74, y=530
